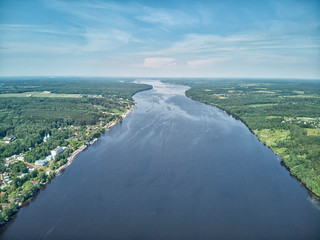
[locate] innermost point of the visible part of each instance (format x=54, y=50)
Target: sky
x=231, y=38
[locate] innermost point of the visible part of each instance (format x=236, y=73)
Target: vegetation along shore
x=284, y=115
x=46, y=122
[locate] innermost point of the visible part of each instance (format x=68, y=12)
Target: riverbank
x=283, y=115
x=282, y=162
x=39, y=186
x=83, y=147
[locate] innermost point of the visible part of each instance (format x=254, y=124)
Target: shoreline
x=59, y=171
x=83, y=147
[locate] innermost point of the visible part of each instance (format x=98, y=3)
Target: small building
x=22, y=175
x=34, y=182
x=4, y=187
x=9, y=139
x=20, y=158
x=4, y=206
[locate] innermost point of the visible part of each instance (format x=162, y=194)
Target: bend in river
x=173, y=169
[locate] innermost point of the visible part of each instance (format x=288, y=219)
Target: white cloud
x=99, y=40
x=159, y=62
x=166, y=17
x=199, y=63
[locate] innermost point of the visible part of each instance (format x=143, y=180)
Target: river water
x=173, y=169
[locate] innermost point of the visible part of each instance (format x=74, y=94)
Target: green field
x=272, y=137
x=313, y=132
x=25, y=94
x=40, y=94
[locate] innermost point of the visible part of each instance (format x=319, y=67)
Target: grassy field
x=54, y=95
x=272, y=137
x=40, y=94
x=25, y=94
x=313, y=132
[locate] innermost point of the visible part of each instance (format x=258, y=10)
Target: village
x=27, y=177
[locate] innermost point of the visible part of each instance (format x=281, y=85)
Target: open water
x=173, y=169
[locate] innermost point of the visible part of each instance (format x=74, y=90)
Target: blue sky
x=268, y=39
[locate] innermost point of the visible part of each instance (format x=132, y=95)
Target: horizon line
x=155, y=77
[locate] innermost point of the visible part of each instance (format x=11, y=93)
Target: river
x=173, y=169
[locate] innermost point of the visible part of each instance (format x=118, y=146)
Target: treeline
x=97, y=86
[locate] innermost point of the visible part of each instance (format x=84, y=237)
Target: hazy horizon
x=167, y=39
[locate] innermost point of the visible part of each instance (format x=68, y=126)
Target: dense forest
x=71, y=111
x=284, y=114
x=30, y=118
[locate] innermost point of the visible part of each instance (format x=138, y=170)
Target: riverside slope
x=174, y=169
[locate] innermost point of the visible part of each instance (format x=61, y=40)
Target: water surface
x=173, y=169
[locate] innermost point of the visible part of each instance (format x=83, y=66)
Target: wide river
x=173, y=169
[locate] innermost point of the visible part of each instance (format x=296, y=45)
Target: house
x=34, y=182
x=13, y=157
x=57, y=151
x=9, y=139
x=4, y=206
x=2, y=194
x=22, y=175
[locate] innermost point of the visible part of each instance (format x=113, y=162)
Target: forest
x=283, y=113
x=71, y=111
